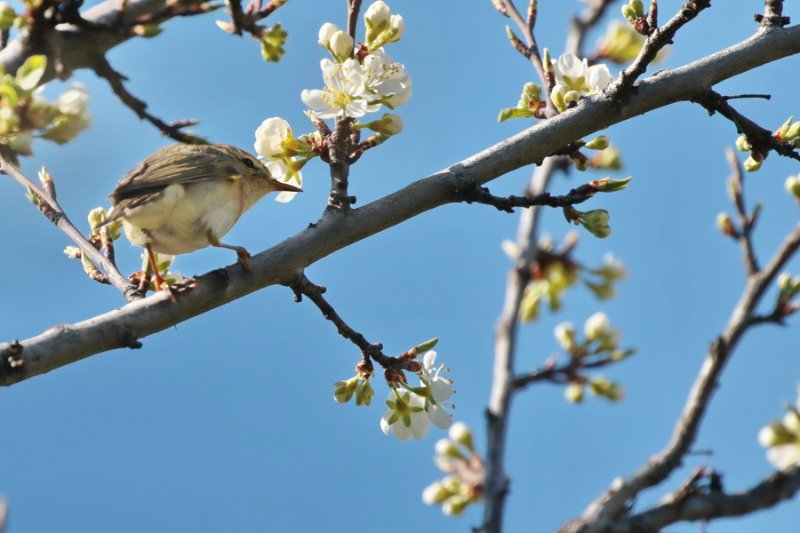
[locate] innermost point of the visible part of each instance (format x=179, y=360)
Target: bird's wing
x=178, y=163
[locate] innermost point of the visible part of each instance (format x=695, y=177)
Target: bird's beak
x=281, y=186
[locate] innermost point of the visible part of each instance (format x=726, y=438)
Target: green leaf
x=514, y=112
x=31, y=72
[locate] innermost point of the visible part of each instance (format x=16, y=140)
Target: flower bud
x=597, y=327
x=793, y=186
x=596, y=222
x=574, y=392
x=742, y=144
x=435, y=493
x=459, y=432
x=598, y=143
x=725, y=225
x=7, y=16
x=341, y=46
x=377, y=16
x=326, y=31
x=782, y=133
x=751, y=164
x=565, y=335
x=389, y=124
x=600, y=386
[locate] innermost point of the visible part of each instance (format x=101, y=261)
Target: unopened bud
x=751, y=164
x=742, y=144
x=598, y=143
x=574, y=392
x=793, y=186
x=565, y=335
x=725, y=225
x=459, y=432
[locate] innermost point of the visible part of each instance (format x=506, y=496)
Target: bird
x=185, y=197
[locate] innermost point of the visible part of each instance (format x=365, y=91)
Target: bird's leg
x=152, y=260
x=241, y=252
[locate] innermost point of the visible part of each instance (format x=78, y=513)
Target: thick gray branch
x=282, y=263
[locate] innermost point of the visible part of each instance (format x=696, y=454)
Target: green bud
x=423, y=347
x=565, y=335
x=272, y=41
x=742, y=144
x=7, y=16
x=793, y=186
x=343, y=390
x=574, y=392
x=547, y=62
x=596, y=222
x=751, y=165
x=609, y=185
x=435, y=493
x=638, y=7
x=460, y=433
x=599, y=143
x=364, y=392
x=600, y=386
x=725, y=225
x=513, y=112
x=783, y=130
x=628, y=13
x=389, y=124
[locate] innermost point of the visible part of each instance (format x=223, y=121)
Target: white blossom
x=343, y=94
x=406, y=417
x=270, y=136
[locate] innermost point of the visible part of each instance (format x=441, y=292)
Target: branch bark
x=282, y=263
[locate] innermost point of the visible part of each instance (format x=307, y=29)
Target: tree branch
x=104, y=69
x=604, y=511
x=776, y=488
x=284, y=262
x=57, y=216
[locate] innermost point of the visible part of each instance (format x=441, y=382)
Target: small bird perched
x=187, y=196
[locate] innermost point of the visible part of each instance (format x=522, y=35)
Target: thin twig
x=761, y=140
x=104, y=69
x=353, y=7
x=58, y=217
x=302, y=286
x=658, y=39
x=746, y=220
x=473, y=193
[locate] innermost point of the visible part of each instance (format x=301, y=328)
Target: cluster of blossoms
x=601, y=342
x=413, y=409
x=555, y=272
x=575, y=79
x=358, y=80
x=782, y=439
x=463, y=485
x=24, y=114
x=787, y=133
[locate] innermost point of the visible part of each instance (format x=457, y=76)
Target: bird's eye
x=248, y=163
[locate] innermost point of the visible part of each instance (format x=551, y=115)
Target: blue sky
x=227, y=422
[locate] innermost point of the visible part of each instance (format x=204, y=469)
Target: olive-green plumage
x=185, y=196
